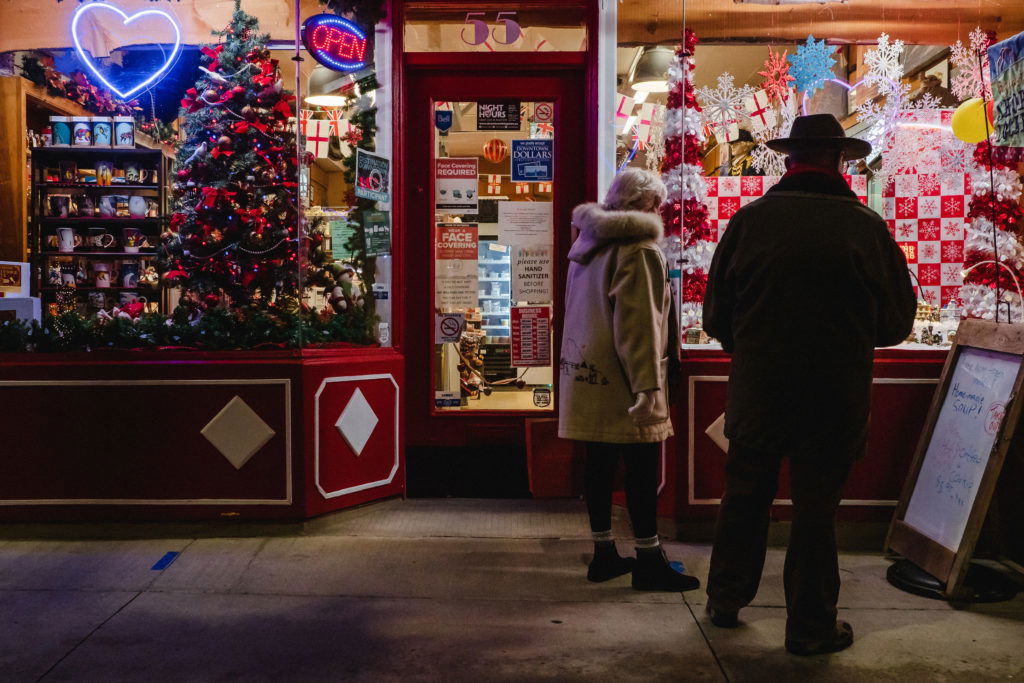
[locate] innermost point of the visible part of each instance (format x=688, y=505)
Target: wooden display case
x=95, y=233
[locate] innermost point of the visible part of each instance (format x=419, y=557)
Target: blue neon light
x=87, y=59
x=335, y=42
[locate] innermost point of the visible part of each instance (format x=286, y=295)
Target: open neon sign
x=335, y=42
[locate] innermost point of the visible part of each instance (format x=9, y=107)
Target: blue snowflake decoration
x=811, y=66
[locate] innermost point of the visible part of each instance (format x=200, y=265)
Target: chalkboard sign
x=972, y=419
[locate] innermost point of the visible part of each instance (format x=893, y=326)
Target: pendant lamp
x=650, y=73
x=327, y=88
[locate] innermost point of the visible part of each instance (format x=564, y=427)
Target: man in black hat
x=805, y=283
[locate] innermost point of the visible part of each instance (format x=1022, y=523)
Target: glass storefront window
x=493, y=237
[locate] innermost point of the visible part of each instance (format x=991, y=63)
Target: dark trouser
x=641, y=484
x=811, y=574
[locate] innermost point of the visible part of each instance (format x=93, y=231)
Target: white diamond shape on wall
x=237, y=432
x=356, y=422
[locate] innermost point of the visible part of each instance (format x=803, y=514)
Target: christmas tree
x=233, y=237
x=684, y=213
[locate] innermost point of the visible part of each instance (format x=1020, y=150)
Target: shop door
x=495, y=161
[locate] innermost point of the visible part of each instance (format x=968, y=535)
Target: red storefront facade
x=305, y=432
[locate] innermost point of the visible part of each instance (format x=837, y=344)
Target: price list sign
x=531, y=336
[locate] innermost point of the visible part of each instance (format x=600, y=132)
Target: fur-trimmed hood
x=599, y=226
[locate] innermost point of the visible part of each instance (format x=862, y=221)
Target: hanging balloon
x=969, y=122
x=990, y=112
x=495, y=150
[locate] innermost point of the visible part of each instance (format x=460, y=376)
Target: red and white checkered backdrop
x=726, y=194
x=925, y=213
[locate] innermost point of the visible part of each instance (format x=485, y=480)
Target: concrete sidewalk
x=458, y=590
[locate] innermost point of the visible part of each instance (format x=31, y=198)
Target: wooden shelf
x=93, y=151
x=94, y=186
x=94, y=219
x=117, y=254
x=54, y=288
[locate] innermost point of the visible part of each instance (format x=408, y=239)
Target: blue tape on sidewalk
x=165, y=561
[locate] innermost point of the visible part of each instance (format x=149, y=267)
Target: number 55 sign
x=481, y=31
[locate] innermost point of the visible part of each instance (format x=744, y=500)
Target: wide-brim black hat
x=820, y=131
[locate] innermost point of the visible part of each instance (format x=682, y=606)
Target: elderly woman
x=613, y=370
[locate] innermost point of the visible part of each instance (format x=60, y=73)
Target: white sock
x=648, y=543
x=603, y=537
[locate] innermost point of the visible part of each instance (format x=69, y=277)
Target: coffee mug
x=81, y=131
x=102, y=131
x=104, y=172
x=132, y=239
x=61, y=127
x=130, y=297
x=84, y=205
x=68, y=274
x=108, y=205
x=121, y=206
x=117, y=177
x=60, y=205
x=131, y=173
x=124, y=131
x=100, y=238
x=137, y=206
x=53, y=274
x=130, y=274
x=67, y=240
x=102, y=274
x=152, y=208
x=97, y=301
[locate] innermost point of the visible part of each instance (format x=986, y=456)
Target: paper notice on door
x=455, y=185
x=456, y=274
x=531, y=336
x=525, y=224
x=532, y=275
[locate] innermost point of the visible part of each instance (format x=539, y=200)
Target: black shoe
x=721, y=618
x=653, y=573
x=841, y=639
x=607, y=564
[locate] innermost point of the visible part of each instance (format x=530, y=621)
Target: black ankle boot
x=653, y=573
x=607, y=564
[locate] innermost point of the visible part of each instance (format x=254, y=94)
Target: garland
x=75, y=87
x=216, y=329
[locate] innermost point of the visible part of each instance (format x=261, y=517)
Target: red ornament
x=495, y=150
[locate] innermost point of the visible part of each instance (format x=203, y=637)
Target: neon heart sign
x=125, y=21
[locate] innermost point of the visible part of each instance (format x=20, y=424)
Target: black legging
x=641, y=484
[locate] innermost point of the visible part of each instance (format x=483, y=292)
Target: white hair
x=634, y=189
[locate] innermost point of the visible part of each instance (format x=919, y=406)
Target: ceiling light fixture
x=650, y=73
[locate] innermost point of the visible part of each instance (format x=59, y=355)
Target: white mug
x=67, y=240
x=137, y=206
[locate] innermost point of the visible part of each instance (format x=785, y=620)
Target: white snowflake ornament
x=723, y=106
x=971, y=78
x=884, y=61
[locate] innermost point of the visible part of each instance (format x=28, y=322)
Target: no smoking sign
x=448, y=327
x=544, y=112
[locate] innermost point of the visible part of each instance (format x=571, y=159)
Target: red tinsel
x=1002, y=157
x=1006, y=213
x=694, y=285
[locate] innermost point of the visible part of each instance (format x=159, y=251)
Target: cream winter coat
x=616, y=331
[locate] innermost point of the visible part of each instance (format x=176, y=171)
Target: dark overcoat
x=804, y=284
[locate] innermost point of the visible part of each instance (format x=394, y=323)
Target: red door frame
x=570, y=78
